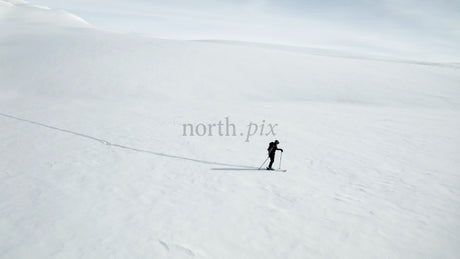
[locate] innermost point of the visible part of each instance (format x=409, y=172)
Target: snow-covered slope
x=93, y=162
x=20, y=13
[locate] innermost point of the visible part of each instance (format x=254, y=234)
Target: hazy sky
x=416, y=29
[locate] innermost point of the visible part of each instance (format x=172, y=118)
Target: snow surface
x=93, y=163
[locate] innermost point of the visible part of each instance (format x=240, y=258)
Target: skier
x=272, y=147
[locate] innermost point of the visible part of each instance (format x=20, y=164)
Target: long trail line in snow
x=105, y=142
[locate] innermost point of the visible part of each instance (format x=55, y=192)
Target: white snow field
x=94, y=164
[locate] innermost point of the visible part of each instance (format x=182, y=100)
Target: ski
x=276, y=170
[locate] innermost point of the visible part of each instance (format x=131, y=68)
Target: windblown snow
x=94, y=164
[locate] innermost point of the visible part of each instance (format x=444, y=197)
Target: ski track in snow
x=108, y=143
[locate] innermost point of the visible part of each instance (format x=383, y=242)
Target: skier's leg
x=272, y=159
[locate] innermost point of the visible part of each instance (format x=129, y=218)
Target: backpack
x=270, y=147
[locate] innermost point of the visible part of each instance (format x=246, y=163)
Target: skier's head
x=277, y=142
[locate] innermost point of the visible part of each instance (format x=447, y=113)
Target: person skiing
x=272, y=147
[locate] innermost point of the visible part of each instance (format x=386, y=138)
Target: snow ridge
x=18, y=12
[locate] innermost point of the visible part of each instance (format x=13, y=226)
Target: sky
x=420, y=30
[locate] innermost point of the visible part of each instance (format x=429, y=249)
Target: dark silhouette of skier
x=272, y=147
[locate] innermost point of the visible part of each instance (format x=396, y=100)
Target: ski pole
x=263, y=163
x=281, y=156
